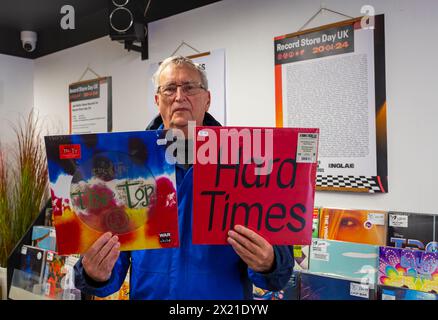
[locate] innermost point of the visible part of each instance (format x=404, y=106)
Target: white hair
x=179, y=61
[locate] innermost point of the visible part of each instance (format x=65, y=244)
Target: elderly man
x=190, y=271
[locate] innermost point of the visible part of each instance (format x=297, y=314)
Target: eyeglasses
x=189, y=89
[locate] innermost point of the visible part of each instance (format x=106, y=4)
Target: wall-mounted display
x=333, y=78
x=44, y=237
x=112, y=182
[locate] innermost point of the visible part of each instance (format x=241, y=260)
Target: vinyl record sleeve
x=393, y=293
x=355, y=261
x=408, y=268
x=413, y=230
x=353, y=225
x=33, y=260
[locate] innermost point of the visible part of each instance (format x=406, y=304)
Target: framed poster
x=90, y=106
x=333, y=78
x=213, y=63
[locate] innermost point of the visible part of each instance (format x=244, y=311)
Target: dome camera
x=29, y=40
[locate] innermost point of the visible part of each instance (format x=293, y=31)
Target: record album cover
x=413, y=230
x=321, y=287
x=393, y=293
x=33, y=260
x=44, y=237
x=112, y=182
x=58, y=281
x=289, y=292
x=54, y=275
x=301, y=257
x=408, y=268
x=261, y=178
x=121, y=294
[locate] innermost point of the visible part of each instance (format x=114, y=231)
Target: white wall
x=16, y=93
x=246, y=28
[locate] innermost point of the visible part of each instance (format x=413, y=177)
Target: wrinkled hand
x=254, y=250
x=99, y=260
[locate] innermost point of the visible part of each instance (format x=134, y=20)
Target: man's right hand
x=99, y=260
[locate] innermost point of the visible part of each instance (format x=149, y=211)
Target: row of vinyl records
x=367, y=247
x=365, y=254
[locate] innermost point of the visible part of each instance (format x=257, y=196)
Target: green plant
x=23, y=183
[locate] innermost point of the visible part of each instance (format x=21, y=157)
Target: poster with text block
x=333, y=78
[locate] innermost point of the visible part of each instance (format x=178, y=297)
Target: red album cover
x=54, y=274
x=262, y=178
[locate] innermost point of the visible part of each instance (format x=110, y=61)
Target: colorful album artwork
x=289, y=292
x=408, y=268
x=315, y=224
x=392, y=293
x=321, y=287
x=301, y=257
x=360, y=226
x=333, y=78
x=55, y=273
x=112, y=182
x=413, y=230
x=58, y=281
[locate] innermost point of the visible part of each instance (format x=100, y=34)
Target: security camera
x=29, y=40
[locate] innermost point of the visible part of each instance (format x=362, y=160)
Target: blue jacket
x=190, y=271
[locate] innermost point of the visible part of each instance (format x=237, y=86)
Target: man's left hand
x=254, y=250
